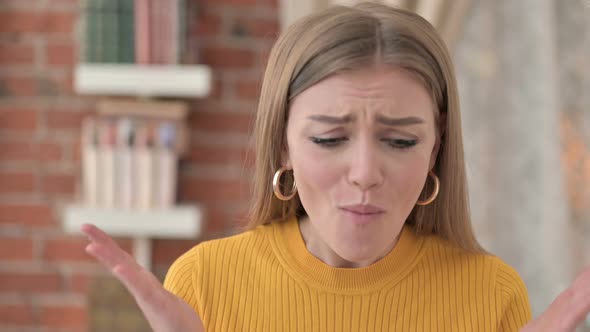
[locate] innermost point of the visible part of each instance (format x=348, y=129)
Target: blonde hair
x=350, y=38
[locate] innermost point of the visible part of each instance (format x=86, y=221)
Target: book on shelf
x=181, y=36
x=111, y=32
x=130, y=158
x=165, y=31
x=134, y=31
x=91, y=28
x=127, y=31
x=143, y=34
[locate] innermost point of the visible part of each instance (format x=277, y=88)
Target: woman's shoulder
x=483, y=276
x=480, y=263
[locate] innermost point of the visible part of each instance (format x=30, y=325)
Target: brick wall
x=47, y=282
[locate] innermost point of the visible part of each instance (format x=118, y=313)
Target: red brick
x=16, y=314
x=249, y=90
x=19, y=282
x=238, y=2
x=220, y=121
x=260, y=28
x=10, y=4
x=228, y=58
x=265, y=29
x=207, y=25
x=218, y=219
x=19, y=86
x=46, y=84
x=210, y=190
x=56, y=85
x=16, y=249
x=81, y=283
x=76, y=150
x=199, y=154
x=246, y=3
x=31, y=215
x=215, y=220
x=66, y=249
x=37, y=22
x=16, y=55
x=66, y=119
x=61, y=54
x=270, y=3
x=65, y=317
x=49, y=152
x=59, y=184
x=18, y=151
x=67, y=2
x=66, y=85
x=15, y=107
x=167, y=251
x=19, y=119
x=21, y=151
x=216, y=92
x=73, y=249
x=17, y=182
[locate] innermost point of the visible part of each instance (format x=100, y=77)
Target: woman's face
x=360, y=145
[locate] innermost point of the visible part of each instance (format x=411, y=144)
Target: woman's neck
x=322, y=251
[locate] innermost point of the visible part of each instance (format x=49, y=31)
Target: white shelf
x=183, y=222
x=142, y=80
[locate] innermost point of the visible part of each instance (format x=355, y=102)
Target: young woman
x=360, y=217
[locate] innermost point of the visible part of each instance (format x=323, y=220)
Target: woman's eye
x=328, y=142
x=401, y=143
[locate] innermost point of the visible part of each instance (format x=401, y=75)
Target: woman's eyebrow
x=331, y=119
x=405, y=121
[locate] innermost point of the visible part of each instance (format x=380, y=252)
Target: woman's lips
x=362, y=214
x=363, y=208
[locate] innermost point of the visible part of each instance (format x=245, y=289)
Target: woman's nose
x=365, y=171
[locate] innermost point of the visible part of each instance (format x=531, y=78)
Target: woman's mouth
x=361, y=214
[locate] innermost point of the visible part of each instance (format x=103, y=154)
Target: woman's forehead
x=387, y=90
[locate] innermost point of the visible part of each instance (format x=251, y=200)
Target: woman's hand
x=164, y=311
x=568, y=310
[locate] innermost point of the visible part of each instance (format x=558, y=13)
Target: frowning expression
x=360, y=144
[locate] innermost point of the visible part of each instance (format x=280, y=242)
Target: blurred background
x=174, y=83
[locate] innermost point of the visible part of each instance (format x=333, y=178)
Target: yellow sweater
x=266, y=280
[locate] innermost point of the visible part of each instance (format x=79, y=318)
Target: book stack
x=134, y=31
x=130, y=155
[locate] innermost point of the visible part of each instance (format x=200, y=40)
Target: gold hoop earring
x=276, y=187
x=434, y=192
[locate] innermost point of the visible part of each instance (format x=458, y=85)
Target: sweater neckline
x=393, y=267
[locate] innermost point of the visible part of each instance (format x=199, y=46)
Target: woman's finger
x=110, y=256
x=105, y=249
x=139, y=282
x=95, y=234
x=579, y=304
